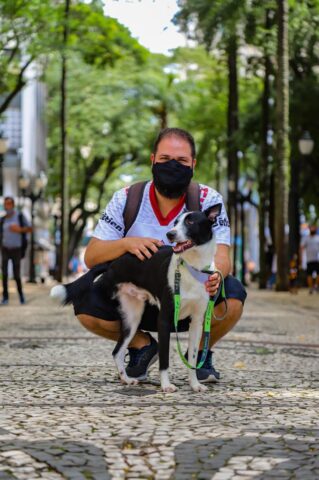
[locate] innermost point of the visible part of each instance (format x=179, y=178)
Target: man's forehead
x=174, y=146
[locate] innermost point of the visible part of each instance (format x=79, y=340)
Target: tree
x=33, y=30
x=282, y=147
x=219, y=23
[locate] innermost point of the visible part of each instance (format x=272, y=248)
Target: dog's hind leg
x=165, y=319
x=195, y=332
x=132, y=308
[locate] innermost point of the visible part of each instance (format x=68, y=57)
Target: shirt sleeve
x=111, y=223
x=221, y=227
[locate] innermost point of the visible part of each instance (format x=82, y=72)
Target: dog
x=133, y=282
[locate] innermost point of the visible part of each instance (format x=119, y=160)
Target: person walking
x=13, y=227
x=310, y=245
x=163, y=199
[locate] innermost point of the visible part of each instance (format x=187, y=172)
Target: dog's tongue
x=181, y=247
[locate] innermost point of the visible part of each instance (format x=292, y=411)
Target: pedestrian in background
x=13, y=229
x=310, y=245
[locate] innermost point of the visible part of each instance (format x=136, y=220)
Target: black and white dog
x=133, y=282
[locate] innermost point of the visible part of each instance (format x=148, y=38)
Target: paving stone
x=62, y=405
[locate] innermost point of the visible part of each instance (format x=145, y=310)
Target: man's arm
x=223, y=264
x=17, y=229
x=99, y=251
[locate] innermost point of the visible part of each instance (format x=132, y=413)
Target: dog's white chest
x=193, y=293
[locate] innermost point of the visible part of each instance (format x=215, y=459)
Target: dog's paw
x=199, y=387
x=129, y=381
x=170, y=388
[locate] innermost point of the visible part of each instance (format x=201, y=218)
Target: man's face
x=8, y=205
x=173, y=147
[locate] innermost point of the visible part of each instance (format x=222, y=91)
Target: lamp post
x=3, y=151
x=305, y=145
x=32, y=188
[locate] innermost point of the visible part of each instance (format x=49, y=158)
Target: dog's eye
x=189, y=221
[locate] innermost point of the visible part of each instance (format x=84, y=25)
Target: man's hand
x=15, y=228
x=212, y=284
x=142, y=247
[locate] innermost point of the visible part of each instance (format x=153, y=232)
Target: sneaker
x=141, y=359
x=207, y=372
x=22, y=300
x=5, y=301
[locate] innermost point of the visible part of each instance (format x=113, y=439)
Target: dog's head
x=193, y=228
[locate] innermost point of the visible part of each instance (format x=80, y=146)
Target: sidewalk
x=64, y=414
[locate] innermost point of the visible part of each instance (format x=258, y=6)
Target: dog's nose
x=171, y=235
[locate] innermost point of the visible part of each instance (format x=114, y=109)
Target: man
x=13, y=225
x=173, y=161
x=311, y=246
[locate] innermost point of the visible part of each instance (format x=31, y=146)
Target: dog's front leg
x=164, y=322
x=195, y=333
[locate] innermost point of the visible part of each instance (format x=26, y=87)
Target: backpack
x=135, y=195
x=24, y=237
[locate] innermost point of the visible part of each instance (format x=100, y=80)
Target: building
x=24, y=126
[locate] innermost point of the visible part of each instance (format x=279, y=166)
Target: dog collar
x=201, y=276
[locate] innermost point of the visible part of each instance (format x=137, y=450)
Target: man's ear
x=213, y=212
x=152, y=158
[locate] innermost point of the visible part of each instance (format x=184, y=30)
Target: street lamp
x=32, y=188
x=3, y=151
x=305, y=145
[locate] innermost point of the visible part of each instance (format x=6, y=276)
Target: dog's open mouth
x=182, y=246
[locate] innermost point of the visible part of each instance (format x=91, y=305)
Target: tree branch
x=20, y=83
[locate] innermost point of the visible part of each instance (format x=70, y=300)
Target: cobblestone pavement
x=64, y=415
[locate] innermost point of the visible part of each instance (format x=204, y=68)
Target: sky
x=148, y=21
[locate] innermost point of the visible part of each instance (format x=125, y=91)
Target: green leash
x=208, y=314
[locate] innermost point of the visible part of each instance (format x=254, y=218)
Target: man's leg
x=16, y=261
x=111, y=330
x=5, y=261
x=219, y=328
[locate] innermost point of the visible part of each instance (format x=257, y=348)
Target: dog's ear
x=213, y=212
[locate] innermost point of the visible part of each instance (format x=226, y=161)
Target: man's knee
x=233, y=313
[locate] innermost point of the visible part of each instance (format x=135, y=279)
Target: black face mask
x=171, y=178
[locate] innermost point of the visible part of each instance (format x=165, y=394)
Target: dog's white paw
x=170, y=388
x=129, y=381
x=199, y=387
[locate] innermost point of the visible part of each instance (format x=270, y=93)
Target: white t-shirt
x=150, y=222
x=311, y=244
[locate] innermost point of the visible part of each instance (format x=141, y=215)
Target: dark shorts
x=96, y=304
x=312, y=267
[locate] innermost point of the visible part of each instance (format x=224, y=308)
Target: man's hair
x=175, y=132
x=9, y=198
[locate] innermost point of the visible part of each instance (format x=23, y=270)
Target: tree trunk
x=263, y=167
x=282, y=148
x=232, y=128
x=63, y=264
x=294, y=211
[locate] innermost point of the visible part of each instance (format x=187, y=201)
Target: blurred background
x=85, y=86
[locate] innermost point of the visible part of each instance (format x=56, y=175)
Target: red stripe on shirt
x=172, y=214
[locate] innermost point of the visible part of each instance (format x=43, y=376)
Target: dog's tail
x=70, y=292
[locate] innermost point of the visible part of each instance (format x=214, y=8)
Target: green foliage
x=33, y=30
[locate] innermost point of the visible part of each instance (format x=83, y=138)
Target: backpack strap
x=193, y=197
x=21, y=221
x=132, y=205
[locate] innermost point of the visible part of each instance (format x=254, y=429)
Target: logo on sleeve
x=111, y=222
x=222, y=222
